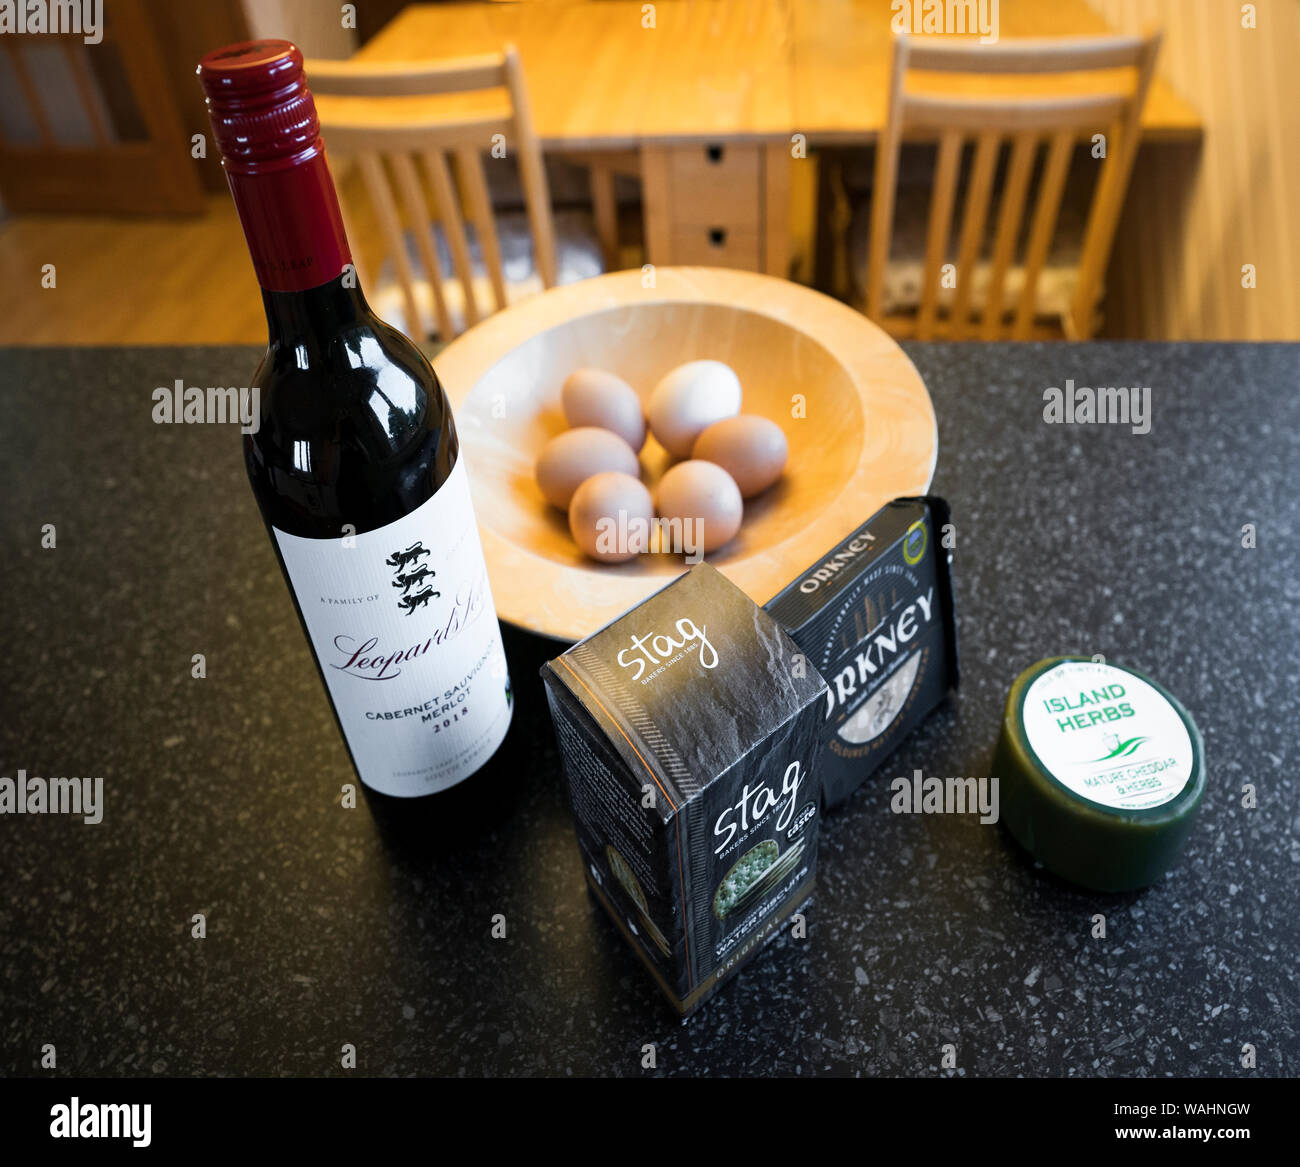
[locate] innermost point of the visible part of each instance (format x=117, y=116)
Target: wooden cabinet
x=716, y=246
x=717, y=204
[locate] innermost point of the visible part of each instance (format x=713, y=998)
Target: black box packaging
x=688, y=727
x=876, y=617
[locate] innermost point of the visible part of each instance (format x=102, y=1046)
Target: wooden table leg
x=605, y=209
x=776, y=210
x=655, y=203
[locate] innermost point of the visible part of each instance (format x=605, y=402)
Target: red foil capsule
x=265, y=125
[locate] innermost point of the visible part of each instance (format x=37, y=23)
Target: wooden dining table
x=712, y=101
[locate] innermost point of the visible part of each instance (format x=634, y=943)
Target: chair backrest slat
x=537, y=195
x=352, y=137
x=406, y=78
x=378, y=132
x=936, y=114
x=972, y=230
x=884, y=184
x=417, y=212
x=469, y=166
x=936, y=244
x=1043, y=227
x=444, y=195
x=1104, y=216
x=1062, y=119
x=1025, y=54
x=349, y=230
x=390, y=225
x=1009, y=215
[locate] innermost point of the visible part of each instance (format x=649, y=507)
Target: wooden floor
x=122, y=280
x=147, y=280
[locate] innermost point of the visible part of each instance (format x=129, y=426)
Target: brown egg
x=595, y=397
x=570, y=458
x=752, y=449
x=610, y=517
x=705, y=498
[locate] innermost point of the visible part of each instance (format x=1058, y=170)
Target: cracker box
x=688, y=728
x=876, y=617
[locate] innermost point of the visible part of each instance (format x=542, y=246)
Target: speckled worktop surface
x=220, y=794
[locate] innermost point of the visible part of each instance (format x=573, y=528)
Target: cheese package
x=1102, y=772
x=688, y=728
x=876, y=617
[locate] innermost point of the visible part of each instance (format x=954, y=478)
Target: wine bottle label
x=403, y=625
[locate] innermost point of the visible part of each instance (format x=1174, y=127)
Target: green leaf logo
x=1123, y=749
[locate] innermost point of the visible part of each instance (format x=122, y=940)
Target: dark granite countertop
x=221, y=793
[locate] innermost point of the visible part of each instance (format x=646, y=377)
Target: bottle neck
x=291, y=219
x=313, y=315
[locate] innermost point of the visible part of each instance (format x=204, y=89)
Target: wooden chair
x=388, y=134
x=1028, y=122
x=603, y=166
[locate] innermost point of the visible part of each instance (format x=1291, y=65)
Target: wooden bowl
x=858, y=418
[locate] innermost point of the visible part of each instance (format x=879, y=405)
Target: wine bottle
x=355, y=461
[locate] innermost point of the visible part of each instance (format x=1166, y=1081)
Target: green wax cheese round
x=1100, y=770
